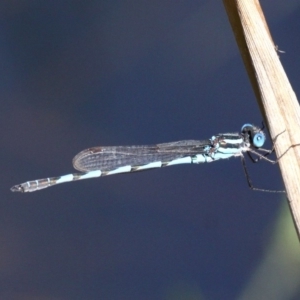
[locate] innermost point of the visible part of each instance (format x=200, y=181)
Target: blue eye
x=259, y=140
x=246, y=125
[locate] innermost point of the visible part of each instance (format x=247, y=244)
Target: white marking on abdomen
x=183, y=160
x=120, y=170
x=91, y=174
x=65, y=178
x=156, y=164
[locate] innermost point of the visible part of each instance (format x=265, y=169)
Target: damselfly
x=102, y=161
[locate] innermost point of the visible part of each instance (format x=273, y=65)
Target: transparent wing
x=110, y=158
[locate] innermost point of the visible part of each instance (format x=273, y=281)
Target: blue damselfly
x=102, y=161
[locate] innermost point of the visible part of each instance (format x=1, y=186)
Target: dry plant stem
x=273, y=91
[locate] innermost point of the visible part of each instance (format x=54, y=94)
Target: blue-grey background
x=77, y=74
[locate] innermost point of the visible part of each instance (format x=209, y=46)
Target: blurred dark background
x=77, y=74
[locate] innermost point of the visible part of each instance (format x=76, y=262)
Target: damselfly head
x=255, y=135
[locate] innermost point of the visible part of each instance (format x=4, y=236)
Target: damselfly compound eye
x=246, y=126
x=259, y=139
